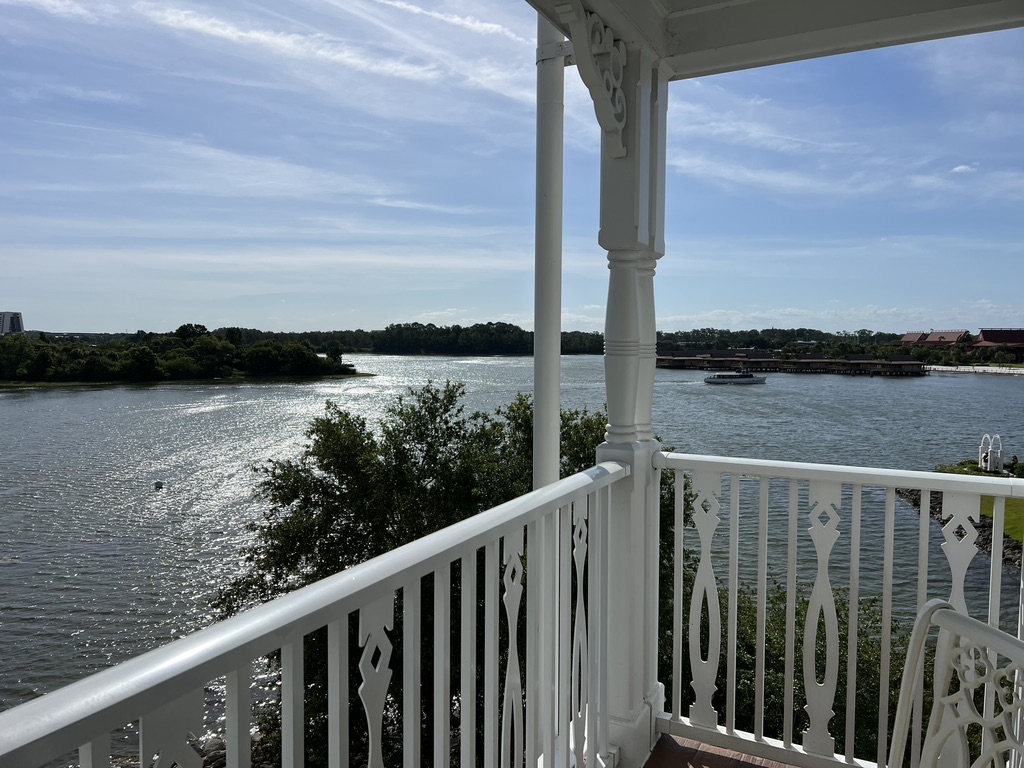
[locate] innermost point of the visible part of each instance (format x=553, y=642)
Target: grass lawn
x=1014, y=522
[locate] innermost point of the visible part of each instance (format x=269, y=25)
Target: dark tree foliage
x=142, y=357
x=786, y=342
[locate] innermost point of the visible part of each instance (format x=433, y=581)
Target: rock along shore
x=1012, y=550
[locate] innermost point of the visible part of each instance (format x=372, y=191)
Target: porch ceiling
x=705, y=37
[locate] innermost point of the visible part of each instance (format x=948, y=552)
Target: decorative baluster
x=706, y=486
x=677, y=597
x=167, y=730
x=961, y=512
x=825, y=500
x=512, y=698
x=580, y=664
x=374, y=621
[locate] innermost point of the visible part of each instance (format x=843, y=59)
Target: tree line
x=191, y=352
x=795, y=342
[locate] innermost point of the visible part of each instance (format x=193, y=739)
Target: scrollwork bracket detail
x=601, y=60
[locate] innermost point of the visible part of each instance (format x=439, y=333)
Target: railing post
x=635, y=697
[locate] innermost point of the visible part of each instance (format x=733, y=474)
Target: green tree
x=189, y=332
x=141, y=364
x=356, y=492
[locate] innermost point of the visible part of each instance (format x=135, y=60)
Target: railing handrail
x=69, y=717
x=1006, y=487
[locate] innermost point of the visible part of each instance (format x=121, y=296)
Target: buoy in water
x=158, y=485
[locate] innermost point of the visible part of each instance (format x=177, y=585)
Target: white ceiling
x=702, y=37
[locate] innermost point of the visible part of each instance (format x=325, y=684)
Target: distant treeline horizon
x=500, y=338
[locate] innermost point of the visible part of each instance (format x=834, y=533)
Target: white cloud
x=790, y=182
x=461, y=210
x=316, y=47
x=690, y=119
x=965, y=168
x=109, y=161
x=64, y=8
x=975, y=68
x=449, y=316
x=466, y=22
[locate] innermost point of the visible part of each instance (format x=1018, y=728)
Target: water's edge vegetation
x=192, y=352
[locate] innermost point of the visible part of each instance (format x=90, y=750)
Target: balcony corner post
x=629, y=85
x=635, y=697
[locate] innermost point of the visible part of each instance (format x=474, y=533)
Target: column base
x=634, y=739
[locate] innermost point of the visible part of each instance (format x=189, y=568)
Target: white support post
x=547, y=325
x=630, y=95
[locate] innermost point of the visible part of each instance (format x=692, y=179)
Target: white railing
x=786, y=573
x=480, y=583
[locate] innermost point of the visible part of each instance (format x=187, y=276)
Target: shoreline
x=1012, y=550
x=982, y=369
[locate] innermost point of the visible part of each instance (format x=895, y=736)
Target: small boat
x=735, y=377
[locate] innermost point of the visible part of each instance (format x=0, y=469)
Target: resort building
x=582, y=623
x=933, y=339
x=1009, y=339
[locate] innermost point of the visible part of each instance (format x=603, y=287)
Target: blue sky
x=333, y=164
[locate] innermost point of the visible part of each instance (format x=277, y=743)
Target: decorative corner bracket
x=601, y=60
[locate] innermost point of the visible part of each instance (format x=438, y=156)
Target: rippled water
x=96, y=566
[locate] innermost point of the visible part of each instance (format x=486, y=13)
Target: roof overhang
x=705, y=37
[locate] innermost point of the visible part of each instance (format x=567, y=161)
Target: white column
x=547, y=325
x=632, y=214
x=630, y=93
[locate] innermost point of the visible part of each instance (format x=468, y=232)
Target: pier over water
x=764, y=362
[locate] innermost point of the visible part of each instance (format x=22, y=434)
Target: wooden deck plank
x=675, y=752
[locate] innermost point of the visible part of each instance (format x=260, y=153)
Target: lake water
x=96, y=566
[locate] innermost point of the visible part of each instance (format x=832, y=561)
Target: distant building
x=1011, y=339
x=943, y=338
x=10, y=322
x=932, y=339
x=912, y=339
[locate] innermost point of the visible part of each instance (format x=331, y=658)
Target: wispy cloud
x=789, y=182
x=67, y=9
x=123, y=162
x=411, y=205
x=465, y=22
x=46, y=91
x=977, y=67
x=693, y=119
x=315, y=47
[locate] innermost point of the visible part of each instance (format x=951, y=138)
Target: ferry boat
x=735, y=377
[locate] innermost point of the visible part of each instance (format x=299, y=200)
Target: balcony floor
x=674, y=752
